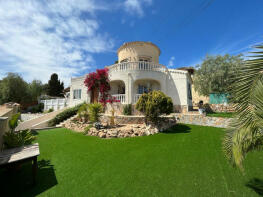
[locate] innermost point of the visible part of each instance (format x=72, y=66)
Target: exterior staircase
x=39, y=122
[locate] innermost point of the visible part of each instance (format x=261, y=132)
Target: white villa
x=138, y=71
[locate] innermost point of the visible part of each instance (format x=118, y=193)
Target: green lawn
x=186, y=161
x=221, y=114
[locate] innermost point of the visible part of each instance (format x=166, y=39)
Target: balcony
x=120, y=97
x=141, y=66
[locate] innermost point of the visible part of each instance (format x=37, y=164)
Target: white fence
x=55, y=104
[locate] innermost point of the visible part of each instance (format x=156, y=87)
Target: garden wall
x=6, y=112
x=190, y=118
x=203, y=120
x=222, y=107
x=118, y=107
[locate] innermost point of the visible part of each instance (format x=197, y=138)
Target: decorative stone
x=113, y=133
x=102, y=135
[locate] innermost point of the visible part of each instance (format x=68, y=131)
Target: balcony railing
x=120, y=97
x=147, y=66
x=136, y=98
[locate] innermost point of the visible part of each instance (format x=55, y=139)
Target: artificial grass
x=185, y=161
x=221, y=114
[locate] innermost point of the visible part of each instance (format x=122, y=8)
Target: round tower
x=138, y=51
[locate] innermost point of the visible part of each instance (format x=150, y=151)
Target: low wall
x=6, y=112
x=202, y=120
x=222, y=107
x=190, y=118
x=118, y=108
x=121, y=119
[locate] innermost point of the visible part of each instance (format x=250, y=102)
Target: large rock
x=102, y=135
x=113, y=133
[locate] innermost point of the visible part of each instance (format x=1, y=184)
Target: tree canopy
x=216, y=73
x=36, y=89
x=55, y=87
x=13, y=89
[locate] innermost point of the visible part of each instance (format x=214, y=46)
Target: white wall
x=78, y=83
x=173, y=83
x=177, y=86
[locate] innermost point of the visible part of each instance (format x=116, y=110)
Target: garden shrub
x=127, y=110
x=83, y=112
x=13, y=122
x=64, y=115
x=154, y=104
x=94, y=111
x=50, y=110
x=16, y=139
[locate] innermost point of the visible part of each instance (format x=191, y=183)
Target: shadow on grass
x=257, y=185
x=178, y=128
x=19, y=183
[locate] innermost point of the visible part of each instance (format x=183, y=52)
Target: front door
x=94, y=96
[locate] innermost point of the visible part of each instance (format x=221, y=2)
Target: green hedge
x=154, y=104
x=64, y=115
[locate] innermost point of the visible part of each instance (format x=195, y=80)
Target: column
x=129, y=89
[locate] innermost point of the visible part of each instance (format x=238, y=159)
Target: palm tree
x=246, y=130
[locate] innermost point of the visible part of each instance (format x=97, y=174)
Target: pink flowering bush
x=100, y=80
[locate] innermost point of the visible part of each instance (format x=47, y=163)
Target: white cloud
x=38, y=38
x=136, y=6
x=171, y=62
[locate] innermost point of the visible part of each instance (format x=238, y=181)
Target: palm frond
x=245, y=132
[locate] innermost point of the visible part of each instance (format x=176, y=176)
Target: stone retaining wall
x=121, y=128
x=121, y=119
x=202, y=120
x=222, y=107
x=190, y=118
x=132, y=126
x=118, y=108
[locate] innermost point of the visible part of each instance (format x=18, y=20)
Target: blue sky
x=71, y=38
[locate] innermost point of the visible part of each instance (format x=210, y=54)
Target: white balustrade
x=54, y=104
x=136, y=97
x=147, y=66
x=120, y=97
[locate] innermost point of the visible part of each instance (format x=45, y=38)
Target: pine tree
x=55, y=87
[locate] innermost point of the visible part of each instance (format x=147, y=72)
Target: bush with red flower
x=99, y=80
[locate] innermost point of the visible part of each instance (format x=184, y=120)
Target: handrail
x=146, y=66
